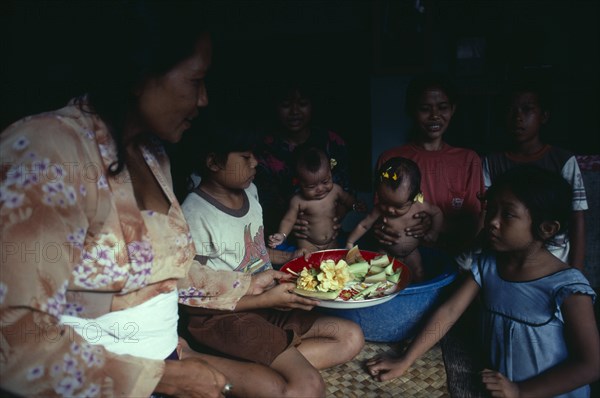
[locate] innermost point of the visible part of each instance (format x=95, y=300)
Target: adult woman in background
x=90, y=307
x=451, y=176
x=275, y=173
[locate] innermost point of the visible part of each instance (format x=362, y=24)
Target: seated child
x=398, y=191
x=539, y=331
x=274, y=328
x=317, y=199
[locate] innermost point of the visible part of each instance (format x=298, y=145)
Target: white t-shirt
x=228, y=239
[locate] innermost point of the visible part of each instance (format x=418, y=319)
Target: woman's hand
x=264, y=281
x=385, y=233
x=301, y=227
x=421, y=227
x=282, y=297
x=498, y=385
x=191, y=377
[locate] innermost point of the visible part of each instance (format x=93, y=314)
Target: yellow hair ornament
x=385, y=174
x=419, y=198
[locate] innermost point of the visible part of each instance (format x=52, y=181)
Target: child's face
x=315, y=186
x=394, y=202
x=433, y=113
x=239, y=170
x=508, y=223
x=295, y=112
x=525, y=117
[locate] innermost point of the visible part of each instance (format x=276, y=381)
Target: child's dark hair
x=287, y=89
x=307, y=157
x=397, y=169
x=422, y=83
x=527, y=85
x=546, y=194
x=220, y=137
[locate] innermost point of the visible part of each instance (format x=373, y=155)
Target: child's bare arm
x=441, y=320
x=437, y=221
x=349, y=201
x=362, y=227
x=583, y=363
x=287, y=223
x=280, y=257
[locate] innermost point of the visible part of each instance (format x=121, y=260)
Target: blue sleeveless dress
x=522, y=321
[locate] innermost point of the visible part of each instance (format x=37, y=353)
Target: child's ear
x=548, y=229
x=212, y=163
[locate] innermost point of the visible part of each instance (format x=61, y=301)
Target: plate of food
x=346, y=279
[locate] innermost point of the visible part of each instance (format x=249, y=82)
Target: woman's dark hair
x=424, y=82
x=309, y=158
x=546, y=194
x=396, y=170
x=142, y=39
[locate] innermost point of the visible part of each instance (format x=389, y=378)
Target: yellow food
x=307, y=280
x=333, y=276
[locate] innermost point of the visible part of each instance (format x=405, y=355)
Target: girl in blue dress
x=539, y=330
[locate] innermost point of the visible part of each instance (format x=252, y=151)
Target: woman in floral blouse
x=96, y=253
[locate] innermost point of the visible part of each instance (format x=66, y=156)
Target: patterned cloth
x=523, y=324
x=74, y=242
x=275, y=176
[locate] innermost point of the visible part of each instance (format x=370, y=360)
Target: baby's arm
x=349, y=201
x=287, y=223
x=581, y=367
x=437, y=221
x=441, y=321
x=362, y=227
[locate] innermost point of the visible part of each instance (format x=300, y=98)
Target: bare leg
x=331, y=341
x=290, y=375
x=415, y=264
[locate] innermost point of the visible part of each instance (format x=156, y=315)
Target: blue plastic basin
x=401, y=317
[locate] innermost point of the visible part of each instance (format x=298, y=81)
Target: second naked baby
x=399, y=199
x=318, y=199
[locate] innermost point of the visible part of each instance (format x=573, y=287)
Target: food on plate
x=360, y=280
x=354, y=256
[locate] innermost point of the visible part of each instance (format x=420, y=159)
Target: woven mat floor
x=426, y=378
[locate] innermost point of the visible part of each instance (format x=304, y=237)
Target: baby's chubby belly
x=321, y=229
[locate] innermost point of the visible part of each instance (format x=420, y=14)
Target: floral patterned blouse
x=74, y=242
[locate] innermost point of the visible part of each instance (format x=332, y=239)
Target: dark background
x=340, y=46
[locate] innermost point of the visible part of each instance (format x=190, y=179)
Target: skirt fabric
x=256, y=336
